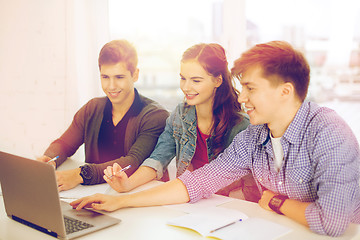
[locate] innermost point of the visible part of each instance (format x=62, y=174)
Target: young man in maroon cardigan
x=122, y=127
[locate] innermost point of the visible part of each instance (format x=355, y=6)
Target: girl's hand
x=116, y=178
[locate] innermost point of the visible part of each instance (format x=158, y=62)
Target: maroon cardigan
x=141, y=136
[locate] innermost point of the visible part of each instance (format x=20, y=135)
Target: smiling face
x=117, y=83
x=198, y=86
x=261, y=98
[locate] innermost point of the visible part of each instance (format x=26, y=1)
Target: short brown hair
x=119, y=51
x=276, y=59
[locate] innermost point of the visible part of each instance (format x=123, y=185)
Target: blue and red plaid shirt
x=321, y=166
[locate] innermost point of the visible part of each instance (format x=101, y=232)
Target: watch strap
x=276, y=202
x=86, y=174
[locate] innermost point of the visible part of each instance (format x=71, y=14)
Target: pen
x=54, y=159
x=124, y=169
x=225, y=226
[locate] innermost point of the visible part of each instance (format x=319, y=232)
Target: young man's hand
x=47, y=159
x=98, y=202
x=265, y=199
x=68, y=179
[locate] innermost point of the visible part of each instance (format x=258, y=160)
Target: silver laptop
x=31, y=197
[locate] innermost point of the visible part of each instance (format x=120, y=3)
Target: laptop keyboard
x=74, y=225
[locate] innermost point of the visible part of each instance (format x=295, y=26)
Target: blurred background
x=49, y=51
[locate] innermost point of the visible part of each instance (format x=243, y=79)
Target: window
x=328, y=33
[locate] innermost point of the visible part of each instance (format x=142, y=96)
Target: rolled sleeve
x=164, y=150
x=156, y=165
x=192, y=185
x=336, y=178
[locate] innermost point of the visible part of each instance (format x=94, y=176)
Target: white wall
x=234, y=29
x=48, y=67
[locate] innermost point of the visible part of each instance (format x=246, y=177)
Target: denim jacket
x=179, y=140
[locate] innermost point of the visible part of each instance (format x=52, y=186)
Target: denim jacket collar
x=189, y=119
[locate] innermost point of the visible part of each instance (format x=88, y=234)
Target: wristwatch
x=276, y=202
x=86, y=174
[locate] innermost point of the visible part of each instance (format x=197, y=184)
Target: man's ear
x=135, y=75
x=287, y=89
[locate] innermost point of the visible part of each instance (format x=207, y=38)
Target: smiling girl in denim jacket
x=199, y=129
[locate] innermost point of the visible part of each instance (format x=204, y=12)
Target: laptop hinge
x=27, y=223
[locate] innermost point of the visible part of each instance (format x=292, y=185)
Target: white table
x=150, y=223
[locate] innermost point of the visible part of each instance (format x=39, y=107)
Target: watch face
x=85, y=173
x=275, y=201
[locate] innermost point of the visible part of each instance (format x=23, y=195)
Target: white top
x=278, y=152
